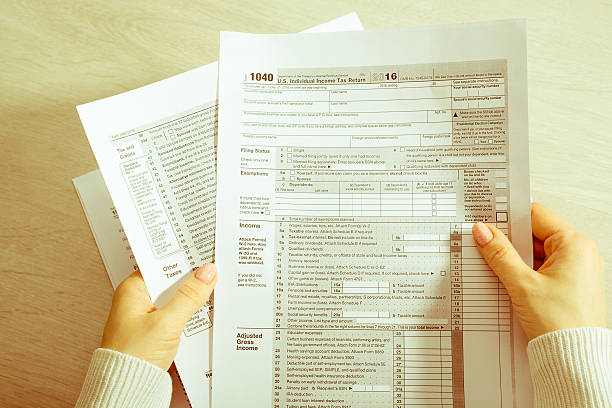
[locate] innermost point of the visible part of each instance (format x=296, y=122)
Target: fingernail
x=482, y=234
x=206, y=273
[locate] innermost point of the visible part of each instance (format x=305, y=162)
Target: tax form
x=352, y=167
x=156, y=147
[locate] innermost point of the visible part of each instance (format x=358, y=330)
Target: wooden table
x=58, y=54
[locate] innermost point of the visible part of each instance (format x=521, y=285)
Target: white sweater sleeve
x=119, y=380
x=572, y=368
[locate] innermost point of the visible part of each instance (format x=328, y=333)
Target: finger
x=191, y=295
x=131, y=296
x=545, y=222
x=538, y=248
x=499, y=253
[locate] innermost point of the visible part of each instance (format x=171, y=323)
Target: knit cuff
x=119, y=380
x=572, y=368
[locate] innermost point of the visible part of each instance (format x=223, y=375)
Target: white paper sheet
x=352, y=168
x=156, y=148
x=115, y=249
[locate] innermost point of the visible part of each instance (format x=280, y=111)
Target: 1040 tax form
x=352, y=167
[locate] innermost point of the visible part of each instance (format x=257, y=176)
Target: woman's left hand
x=136, y=327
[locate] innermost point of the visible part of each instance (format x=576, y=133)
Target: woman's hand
x=137, y=328
x=566, y=290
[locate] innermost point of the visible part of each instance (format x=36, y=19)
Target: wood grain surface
x=57, y=54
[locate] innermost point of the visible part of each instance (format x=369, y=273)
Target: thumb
x=499, y=253
x=191, y=295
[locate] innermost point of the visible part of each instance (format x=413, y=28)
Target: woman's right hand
x=567, y=288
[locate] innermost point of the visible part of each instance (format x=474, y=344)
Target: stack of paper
x=188, y=101
x=337, y=203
